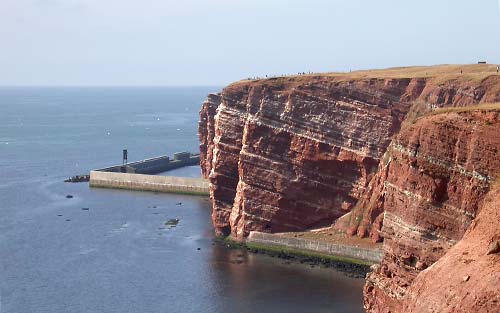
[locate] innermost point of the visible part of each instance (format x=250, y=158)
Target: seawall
x=141, y=182
x=371, y=255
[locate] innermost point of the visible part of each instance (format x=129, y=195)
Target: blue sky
x=215, y=42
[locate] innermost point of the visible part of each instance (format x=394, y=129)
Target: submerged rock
x=172, y=222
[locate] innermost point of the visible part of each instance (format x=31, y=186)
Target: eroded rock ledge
x=295, y=153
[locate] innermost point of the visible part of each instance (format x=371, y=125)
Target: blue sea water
x=117, y=255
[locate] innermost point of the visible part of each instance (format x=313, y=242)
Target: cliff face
x=206, y=132
x=297, y=154
x=434, y=178
x=473, y=283
x=291, y=154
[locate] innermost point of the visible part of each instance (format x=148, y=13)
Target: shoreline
x=351, y=266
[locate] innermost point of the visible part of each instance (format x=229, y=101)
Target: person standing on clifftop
x=498, y=68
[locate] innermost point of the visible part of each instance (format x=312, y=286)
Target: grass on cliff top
x=441, y=73
x=480, y=107
x=468, y=70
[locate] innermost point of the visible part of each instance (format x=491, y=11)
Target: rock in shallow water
x=172, y=222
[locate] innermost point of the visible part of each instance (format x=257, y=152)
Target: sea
x=105, y=250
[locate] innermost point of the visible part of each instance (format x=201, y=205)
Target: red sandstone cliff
x=435, y=176
x=295, y=153
x=467, y=277
x=206, y=131
x=290, y=154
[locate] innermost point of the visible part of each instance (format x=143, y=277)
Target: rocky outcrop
x=434, y=178
x=206, y=132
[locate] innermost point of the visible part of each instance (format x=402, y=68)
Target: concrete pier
x=169, y=184
x=155, y=165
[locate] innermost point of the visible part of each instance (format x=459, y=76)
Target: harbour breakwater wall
x=150, y=166
x=371, y=255
x=141, y=182
x=155, y=165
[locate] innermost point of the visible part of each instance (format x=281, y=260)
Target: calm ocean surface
x=117, y=256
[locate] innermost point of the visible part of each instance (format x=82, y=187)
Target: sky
x=215, y=42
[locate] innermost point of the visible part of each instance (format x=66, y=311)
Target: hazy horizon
x=90, y=43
